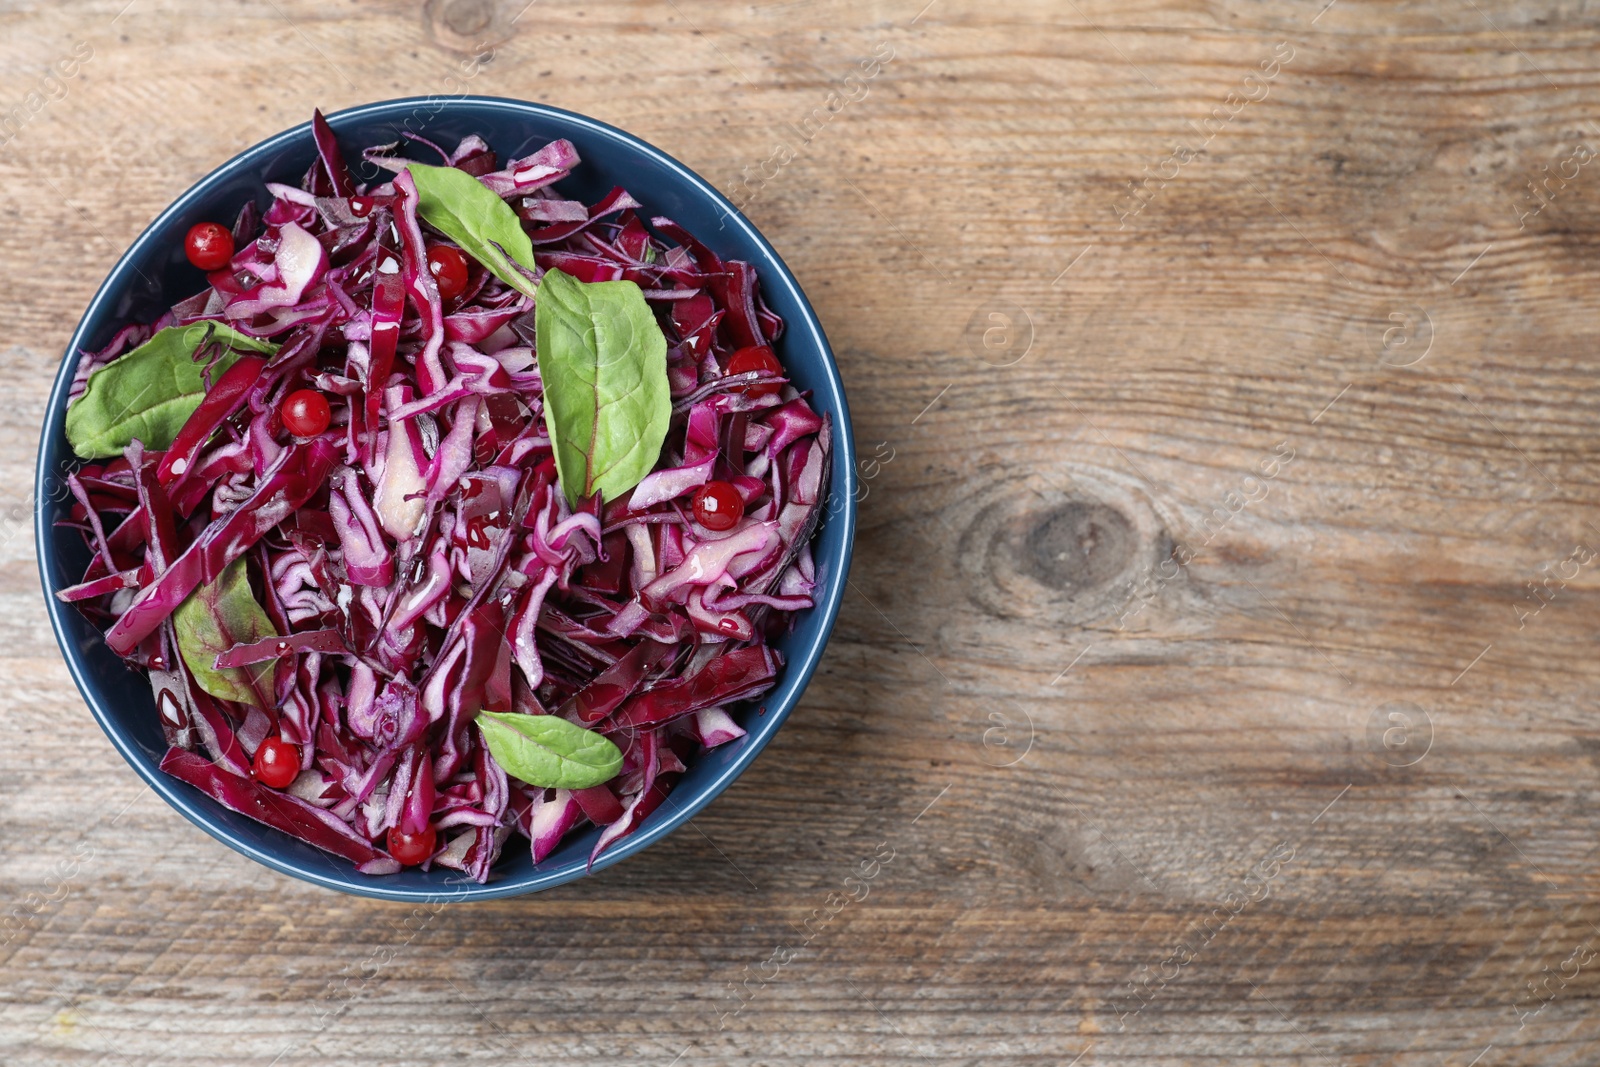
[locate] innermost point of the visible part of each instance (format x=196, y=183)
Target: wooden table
x=1216, y=682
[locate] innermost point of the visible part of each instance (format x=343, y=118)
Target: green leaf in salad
x=603, y=361
x=149, y=393
x=472, y=215
x=212, y=620
x=549, y=751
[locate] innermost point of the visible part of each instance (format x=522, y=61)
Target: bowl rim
x=193, y=804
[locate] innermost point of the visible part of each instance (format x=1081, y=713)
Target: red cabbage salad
x=450, y=510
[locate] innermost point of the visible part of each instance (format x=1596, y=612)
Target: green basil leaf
x=474, y=217
x=212, y=620
x=149, y=393
x=549, y=751
x=603, y=361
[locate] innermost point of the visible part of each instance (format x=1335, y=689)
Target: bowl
x=154, y=273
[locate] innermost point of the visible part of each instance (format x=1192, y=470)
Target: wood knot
x=1025, y=556
x=1077, y=546
x=470, y=27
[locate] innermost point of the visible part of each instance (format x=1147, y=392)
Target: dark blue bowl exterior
x=154, y=273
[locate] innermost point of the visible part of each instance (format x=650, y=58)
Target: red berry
x=305, y=413
x=718, y=506
x=449, y=269
x=756, y=358
x=361, y=206
x=277, y=763
x=209, y=246
x=412, y=849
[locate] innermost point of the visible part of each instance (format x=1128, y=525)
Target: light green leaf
x=149, y=393
x=212, y=620
x=474, y=217
x=549, y=751
x=603, y=361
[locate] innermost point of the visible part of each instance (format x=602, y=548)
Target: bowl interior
x=154, y=273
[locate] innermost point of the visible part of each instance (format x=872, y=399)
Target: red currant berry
x=718, y=506
x=412, y=849
x=277, y=763
x=209, y=246
x=756, y=358
x=449, y=269
x=305, y=413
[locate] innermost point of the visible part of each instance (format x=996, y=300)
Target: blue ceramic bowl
x=153, y=274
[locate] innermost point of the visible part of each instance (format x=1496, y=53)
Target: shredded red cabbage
x=418, y=557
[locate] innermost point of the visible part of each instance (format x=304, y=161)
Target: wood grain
x=1138, y=812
